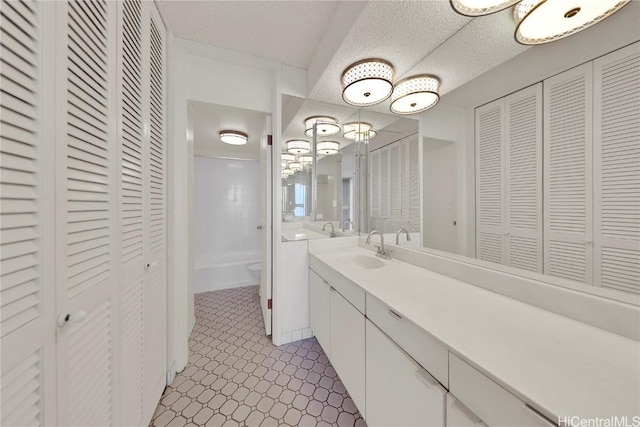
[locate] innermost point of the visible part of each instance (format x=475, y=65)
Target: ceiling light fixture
x=327, y=126
x=287, y=172
x=480, y=7
x=295, y=166
x=359, y=131
x=305, y=159
x=298, y=146
x=415, y=94
x=544, y=21
x=287, y=157
x=233, y=137
x=328, y=147
x=367, y=82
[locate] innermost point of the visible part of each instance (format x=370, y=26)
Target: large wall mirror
x=340, y=184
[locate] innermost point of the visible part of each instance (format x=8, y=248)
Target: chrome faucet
x=333, y=233
x=344, y=226
x=381, y=252
x=402, y=230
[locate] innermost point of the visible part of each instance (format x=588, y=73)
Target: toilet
x=254, y=271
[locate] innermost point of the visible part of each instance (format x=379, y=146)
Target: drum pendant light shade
x=367, y=82
x=359, y=131
x=326, y=126
x=544, y=21
x=298, y=146
x=480, y=7
x=328, y=147
x=415, y=94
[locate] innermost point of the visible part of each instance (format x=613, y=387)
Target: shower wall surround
x=227, y=212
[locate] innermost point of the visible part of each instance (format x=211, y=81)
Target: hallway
x=237, y=377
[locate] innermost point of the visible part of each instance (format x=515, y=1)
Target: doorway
x=440, y=229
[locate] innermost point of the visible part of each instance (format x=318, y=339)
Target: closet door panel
x=617, y=169
x=523, y=156
x=86, y=159
x=27, y=328
x=131, y=203
x=155, y=281
x=568, y=202
x=490, y=203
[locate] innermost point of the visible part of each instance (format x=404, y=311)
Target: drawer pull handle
x=394, y=314
x=472, y=416
x=537, y=415
x=425, y=378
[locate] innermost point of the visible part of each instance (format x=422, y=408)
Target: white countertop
x=559, y=365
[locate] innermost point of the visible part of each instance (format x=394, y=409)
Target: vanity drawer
x=488, y=400
x=425, y=349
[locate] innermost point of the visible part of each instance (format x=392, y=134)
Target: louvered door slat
x=490, y=179
x=154, y=162
x=568, y=232
x=131, y=211
x=617, y=170
x=86, y=214
x=523, y=156
x=24, y=335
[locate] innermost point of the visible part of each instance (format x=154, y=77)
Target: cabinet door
x=568, y=204
x=459, y=415
x=347, y=347
x=399, y=392
x=523, y=184
x=616, y=146
x=319, y=311
x=490, y=205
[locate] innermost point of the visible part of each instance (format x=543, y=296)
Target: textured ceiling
x=210, y=119
x=286, y=31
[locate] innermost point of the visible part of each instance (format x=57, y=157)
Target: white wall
x=217, y=76
x=449, y=123
x=226, y=207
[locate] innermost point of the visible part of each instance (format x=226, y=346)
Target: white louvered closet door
x=86, y=239
x=523, y=186
x=490, y=179
x=568, y=199
x=616, y=146
x=27, y=327
x=155, y=280
x=131, y=210
x=415, y=189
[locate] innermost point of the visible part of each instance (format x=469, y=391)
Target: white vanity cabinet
x=459, y=415
x=319, y=311
x=399, y=391
x=339, y=328
x=348, y=347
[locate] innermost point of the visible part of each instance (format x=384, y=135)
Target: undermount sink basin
x=366, y=262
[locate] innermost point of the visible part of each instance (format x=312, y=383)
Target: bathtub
x=213, y=272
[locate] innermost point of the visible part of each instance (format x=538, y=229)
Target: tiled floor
x=237, y=377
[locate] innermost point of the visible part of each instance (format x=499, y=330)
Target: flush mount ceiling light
x=305, y=159
x=327, y=126
x=415, y=94
x=544, y=21
x=287, y=172
x=233, y=137
x=359, y=131
x=480, y=7
x=287, y=157
x=367, y=82
x=298, y=146
x=295, y=166
x=328, y=147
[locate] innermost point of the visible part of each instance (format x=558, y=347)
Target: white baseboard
x=171, y=374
